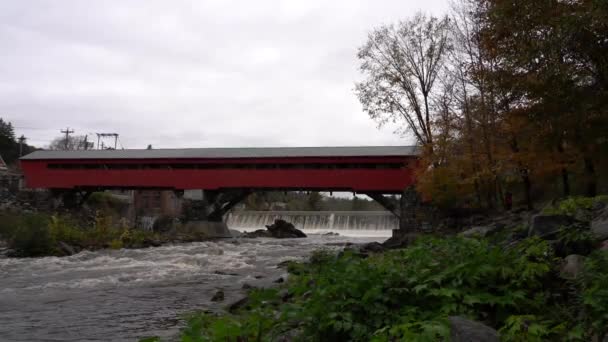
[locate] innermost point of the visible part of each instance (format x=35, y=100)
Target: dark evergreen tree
x=9, y=149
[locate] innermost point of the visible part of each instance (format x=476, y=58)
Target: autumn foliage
x=513, y=93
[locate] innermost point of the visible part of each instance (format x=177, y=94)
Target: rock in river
x=280, y=229
x=284, y=230
x=218, y=296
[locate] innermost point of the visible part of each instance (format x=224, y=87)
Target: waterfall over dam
x=336, y=221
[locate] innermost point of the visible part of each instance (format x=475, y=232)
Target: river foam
x=121, y=295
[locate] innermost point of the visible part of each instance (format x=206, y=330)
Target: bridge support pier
x=405, y=209
x=206, y=216
x=214, y=205
x=70, y=199
x=218, y=203
x=408, y=206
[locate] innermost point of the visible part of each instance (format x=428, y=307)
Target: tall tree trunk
x=525, y=176
x=565, y=177
x=490, y=194
x=565, y=182
x=501, y=195
x=477, y=193
x=590, y=177
x=471, y=142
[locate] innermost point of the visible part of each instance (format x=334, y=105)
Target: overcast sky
x=193, y=73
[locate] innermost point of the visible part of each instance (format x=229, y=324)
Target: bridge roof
x=230, y=153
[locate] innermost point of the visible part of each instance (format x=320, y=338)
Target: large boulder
x=218, y=296
x=547, y=226
x=372, y=247
x=599, y=225
x=465, y=330
x=284, y=230
x=66, y=249
x=256, y=234
x=400, y=239
x=235, y=233
x=151, y=243
x=364, y=250
x=238, y=304
x=280, y=229
x=572, y=266
x=483, y=231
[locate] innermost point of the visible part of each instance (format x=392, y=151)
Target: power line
x=33, y=128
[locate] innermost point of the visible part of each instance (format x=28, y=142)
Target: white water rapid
x=122, y=295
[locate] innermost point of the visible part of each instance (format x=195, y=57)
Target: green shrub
x=116, y=244
x=399, y=295
x=39, y=234
x=32, y=237
x=61, y=229
x=570, y=206
x=574, y=239
x=594, y=288
x=8, y=225
x=408, y=295
x=150, y=339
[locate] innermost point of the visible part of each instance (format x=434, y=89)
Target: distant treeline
x=9, y=145
x=308, y=201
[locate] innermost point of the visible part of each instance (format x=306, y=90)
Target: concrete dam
x=382, y=222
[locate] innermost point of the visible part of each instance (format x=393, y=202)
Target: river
x=123, y=295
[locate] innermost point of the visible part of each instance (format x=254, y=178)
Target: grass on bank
x=33, y=235
x=408, y=294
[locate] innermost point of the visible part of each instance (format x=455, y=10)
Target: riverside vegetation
x=95, y=226
x=39, y=234
x=509, y=283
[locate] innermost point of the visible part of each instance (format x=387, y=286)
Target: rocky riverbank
x=34, y=234
x=519, y=276
x=24, y=234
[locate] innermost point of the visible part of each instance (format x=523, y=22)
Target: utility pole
x=22, y=140
x=67, y=136
x=86, y=142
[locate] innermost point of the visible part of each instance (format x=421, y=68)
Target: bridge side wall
x=359, y=179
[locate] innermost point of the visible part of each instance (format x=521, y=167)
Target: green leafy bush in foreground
x=407, y=295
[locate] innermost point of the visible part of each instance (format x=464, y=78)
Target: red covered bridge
x=381, y=169
x=227, y=175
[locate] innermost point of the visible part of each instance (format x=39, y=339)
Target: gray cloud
x=192, y=73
